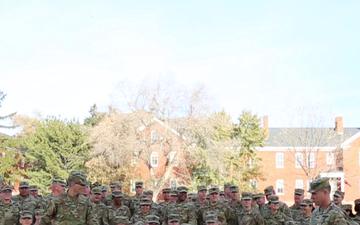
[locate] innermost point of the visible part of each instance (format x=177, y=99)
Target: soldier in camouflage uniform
x=248, y=215
x=268, y=191
x=9, y=210
x=234, y=205
x=296, y=210
x=275, y=216
x=338, y=197
x=155, y=208
x=151, y=220
x=185, y=209
x=220, y=209
x=227, y=191
x=24, y=200
x=211, y=219
x=327, y=212
x=116, y=208
x=71, y=207
x=115, y=186
x=145, y=210
x=99, y=207
x=306, y=210
x=57, y=188
x=135, y=200
x=121, y=220
x=260, y=201
x=26, y=218
x=201, y=197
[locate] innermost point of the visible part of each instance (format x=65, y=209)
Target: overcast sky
x=270, y=57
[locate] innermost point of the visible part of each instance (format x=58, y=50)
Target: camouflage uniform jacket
x=303, y=220
x=234, y=207
x=139, y=217
x=357, y=218
x=330, y=215
x=9, y=213
x=219, y=208
x=112, y=212
x=66, y=210
x=26, y=203
x=184, y=209
x=296, y=212
x=282, y=208
x=251, y=217
x=278, y=218
x=134, y=204
x=264, y=210
x=100, y=209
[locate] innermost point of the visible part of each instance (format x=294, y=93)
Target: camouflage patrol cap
x=24, y=184
x=211, y=218
x=269, y=190
x=227, y=185
x=298, y=191
x=274, y=199
x=166, y=190
x=59, y=181
x=347, y=207
x=152, y=219
x=357, y=201
x=148, y=192
x=174, y=218
x=121, y=220
x=222, y=193
x=213, y=190
x=339, y=194
x=258, y=195
x=234, y=189
x=116, y=194
x=246, y=196
x=26, y=214
x=182, y=189
x=306, y=202
x=104, y=188
x=7, y=188
x=145, y=201
x=96, y=190
x=319, y=184
x=33, y=188
x=139, y=184
x=77, y=177
x=201, y=188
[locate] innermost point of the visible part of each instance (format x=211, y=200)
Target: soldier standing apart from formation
x=248, y=215
x=327, y=213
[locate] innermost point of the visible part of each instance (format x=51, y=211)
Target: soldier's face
x=306, y=209
x=34, y=193
x=260, y=201
x=182, y=196
x=337, y=200
x=214, y=197
x=24, y=191
x=145, y=208
x=246, y=203
x=298, y=199
x=6, y=196
x=173, y=222
x=166, y=196
x=96, y=197
x=26, y=221
x=202, y=194
x=139, y=190
x=318, y=196
x=274, y=206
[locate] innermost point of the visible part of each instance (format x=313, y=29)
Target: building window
x=253, y=184
x=299, y=160
x=173, y=183
x=280, y=187
x=330, y=158
x=299, y=183
x=154, y=136
x=279, y=160
x=311, y=160
x=154, y=159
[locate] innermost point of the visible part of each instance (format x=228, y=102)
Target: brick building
x=292, y=157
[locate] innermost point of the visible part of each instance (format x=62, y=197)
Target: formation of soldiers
x=72, y=203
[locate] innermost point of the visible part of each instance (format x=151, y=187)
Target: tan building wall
x=352, y=170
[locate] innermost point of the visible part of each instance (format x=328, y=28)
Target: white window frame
x=330, y=158
x=132, y=186
x=279, y=160
x=299, y=183
x=154, y=159
x=311, y=160
x=253, y=183
x=280, y=187
x=173, y=184
x=299, y=160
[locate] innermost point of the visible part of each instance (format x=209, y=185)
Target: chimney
x=266, y=126
x=339, y=125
